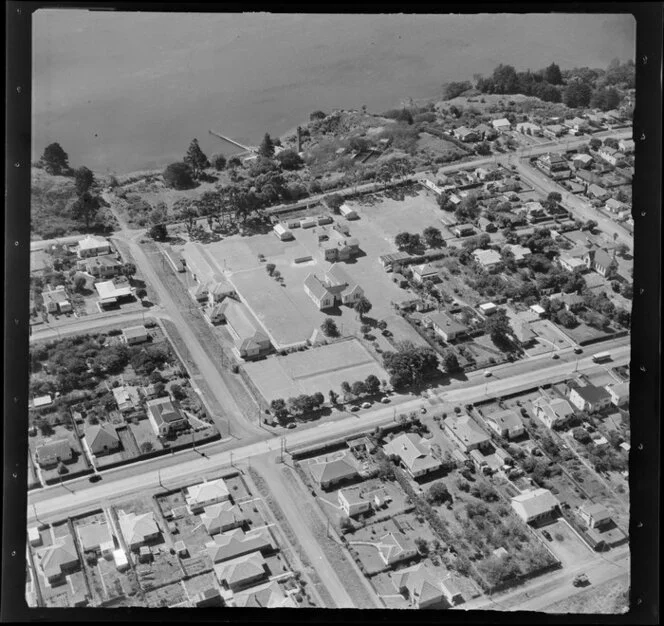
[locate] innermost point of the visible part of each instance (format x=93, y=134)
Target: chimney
x=299, y=139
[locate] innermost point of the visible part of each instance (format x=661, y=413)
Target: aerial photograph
x=330, y=311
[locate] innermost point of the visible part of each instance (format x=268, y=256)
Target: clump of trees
x=329, y=327
x=179, y=176
x=410, y=364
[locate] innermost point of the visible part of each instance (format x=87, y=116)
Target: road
x=556, y=586
x=56, y=500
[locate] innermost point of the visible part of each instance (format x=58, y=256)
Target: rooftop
x=414, y=455
x=466, y=429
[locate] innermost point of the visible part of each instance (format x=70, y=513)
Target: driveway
x=568, y=547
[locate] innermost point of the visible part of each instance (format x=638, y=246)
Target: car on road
x=366, y=405
x=385, y=400
x=354, y=408
x=291, y=425
x=95, y=478
x=547, y=534
x=555, y=356
x=581, y=580
x=578, y=350
x=487, y=373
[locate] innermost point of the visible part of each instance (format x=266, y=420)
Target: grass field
x=609, y=597
x=318, y=369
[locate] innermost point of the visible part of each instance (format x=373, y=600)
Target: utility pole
x=34, y=508
x=159, y=478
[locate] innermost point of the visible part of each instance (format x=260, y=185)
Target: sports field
x=317, y=369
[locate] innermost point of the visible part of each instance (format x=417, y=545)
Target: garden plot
x=79, y=463
x=168, y=595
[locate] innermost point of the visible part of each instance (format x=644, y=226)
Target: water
x=127, y=91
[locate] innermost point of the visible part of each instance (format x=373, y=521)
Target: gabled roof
x=220, y=515
x=93, y=535
x=60, y=448
x=603, y=258
x=235, y=543
x=134, y=331
x=535, y=502
x=466, y=429
x=421, y=582
x=506, y=418
x=592, y=394
x=555, y=408
x=393, y=545
x=100, y=438
x=315, y=286
x=427, y=269
x=337, y=275
x=91, y=242
x=412, y=453
x=331, y=471
x=266, y=596
x=619, y=389
x=241, y=569
x=163, y=411
x=446, y=322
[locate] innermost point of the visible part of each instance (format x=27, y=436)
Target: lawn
x=165, y=596
x=318, y=369
x=570, y=550
x=438, y=147
x=79, y=461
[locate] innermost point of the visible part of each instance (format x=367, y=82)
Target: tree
x=358, y=388
x=129, y=270
x=483, y=148
x=334, y=396
x=147, y=447
x=83, y=179
x=552, y=75
x=218, y=162
x=577, y=94
x=595, y=143
x=362, y=307
x=498, y=327
x=404, y=115
x=554, y=196
x=158, y=232
x=410, y=364
x=451, y=362
x=385, y=469
x=79, y=283
x=605, y=98
x=177, y=392
x=159, y=214
x=85, y=208
x=334, y=201
x=55, y=159
x=345, y=387
x=266, y=149
x=372, y=384
x=317, y=115
x=433, y=237
x=196, y=159
x=329, y=327
x=278, y=407
x=62, y=469
x=141, y=293
x=179, y=176
x=438, y=493
x=290, y=160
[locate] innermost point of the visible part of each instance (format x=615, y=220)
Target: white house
x=589, y=398
x=535, y=506
x=93, y=246
x=348, y=212
x=501, y=125
x=619, y=393
x=282, y=232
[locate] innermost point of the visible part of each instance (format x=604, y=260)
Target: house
x=93, y=246
x=432, y=185
x=463, y=230
x=328, y=474
x=339, y=248
x=626, y=145
x=95, y=537
x=58, y=560
x=308, y=222
x=56, y=300
x=324, y=219
x=466, y=134
x=466, y=432
x=489, y=259
x=199, y=265
x=389, y=261
x=112, y=292
x=337, y=288
x=572, y=301
x=138, y=529
x=614, y=206
x=521, y=253
x=523, y=332
x=414, y=457
x=127, y=398
x=486, y=225
x=487, y=308
x=485, y=132
x=553, y=131
x=536, y=506
x=206, y=494
x=347, y=212
x=445, y=325
x=501, y=125
x=40, y=402
x=51, y=453
x=552, y=411
x=34, y=537
x=354, y=501
x=208, y=598
x=282, y=232
x=594, y=515
x=200, y=292
x=505, y=423
x=134, y=335
x=597, y=192
x=120, y=558
x=528, y=128
x=577, y=124
x=538, y=310
x=249, y=339
x=589, y=398
x=165, y=417
x=101, y=266
x=223, y=516
x=421, y=585
x=572, y=263
x=610, y=155
x=599, y=260
x=619, y=393
x=235, y=543
x=554, y=165
x=218, y=290
x=427, y=271
x=242, y=572
x=266, y=596
x=582, y=160
x=396, y=547
x=102, y=440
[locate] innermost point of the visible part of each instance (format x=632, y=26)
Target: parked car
x=95, y=478
x=581, y=580
x=578, y=350
x=487, y=373
x=354, y=408
x=366, y=405
x=555, y=356
x=385, y=400
x=547, y=534
x=291, y=425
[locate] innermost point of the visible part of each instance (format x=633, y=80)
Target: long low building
x=536, y=506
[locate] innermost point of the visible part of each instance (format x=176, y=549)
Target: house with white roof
x=505, y=423
x=536, y=506
x=206, y=494
x=488, y=259
x=501, y=125
x=619, y=393
x=466, y=432
x=414, y=457
x=92, y=245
